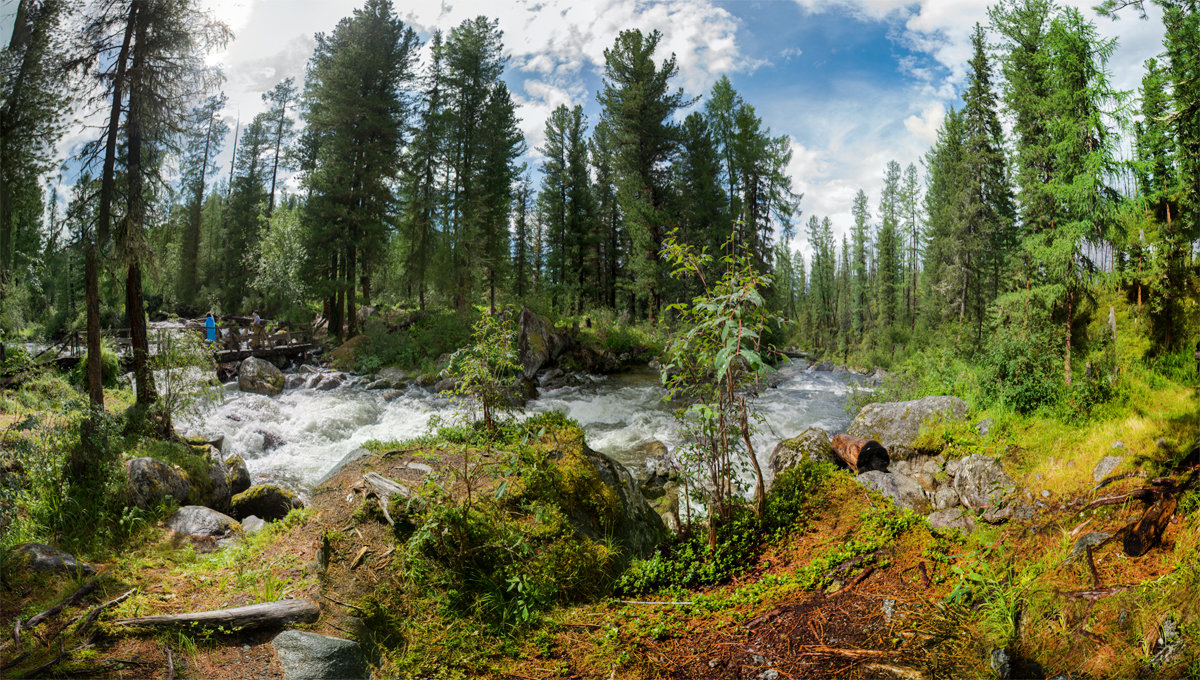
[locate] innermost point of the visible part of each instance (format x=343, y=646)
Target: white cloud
x=926, y=125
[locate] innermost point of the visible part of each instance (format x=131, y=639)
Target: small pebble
x=245, y=646
x=1045, y=493
x=769, y=674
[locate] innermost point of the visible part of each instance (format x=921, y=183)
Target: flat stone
x=308, y=656
x=981, y=482
x=1089, y=540
x=955, y=519
x=197, y=520
x=904, y=491
x=252, y=525
x=1106, y=466
x=42, y=557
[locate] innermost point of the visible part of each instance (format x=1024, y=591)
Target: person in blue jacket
x=210, y=328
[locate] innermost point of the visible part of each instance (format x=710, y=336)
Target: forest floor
x=858, y=592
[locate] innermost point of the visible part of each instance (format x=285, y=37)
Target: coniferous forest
x=1036, y=269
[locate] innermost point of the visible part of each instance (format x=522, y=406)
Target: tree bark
x=136, y=210
x=351, y=302
x=862, y=455
x=265, y=615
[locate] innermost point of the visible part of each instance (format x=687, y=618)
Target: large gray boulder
x=219, y=492
x=151, y=481
x=811, y=444
x=42, y=557
x=903, y=490
x=308, y=656
x=197, y=520
x=897, y=424
x=533, y=342
x=266, y=501
x=259, y=376
x=981, y=482
x=635, y=525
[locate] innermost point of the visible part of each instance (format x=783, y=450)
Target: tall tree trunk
x=351, y=302
x=91, y=277
x=136, y=211
x=190, y=255
x=275, y=165
x=1070, y=319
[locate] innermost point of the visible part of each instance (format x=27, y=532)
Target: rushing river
x=298, y=436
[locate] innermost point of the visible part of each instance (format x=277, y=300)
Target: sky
x=852, y=83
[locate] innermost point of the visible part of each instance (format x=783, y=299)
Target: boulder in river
x=237, y=475
x=151, y=481
x=903, y=490
x=266, y=501
x=897, y=424
x=259, y=376
x=533, y=342
x=309, y=656
x=811, y=444
x=42, y=557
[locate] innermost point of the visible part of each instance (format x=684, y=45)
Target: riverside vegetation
x=1036, y=274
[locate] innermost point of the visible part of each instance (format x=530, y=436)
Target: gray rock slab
x=1089, y=540
x=903, y=490
x=197, y=520
x=981, y=481
x=897, y=424
x=308, y=656
x=1106, y=466
x=955, y=519
x=42, y=557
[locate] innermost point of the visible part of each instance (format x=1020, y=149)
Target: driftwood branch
x=37, y=619
x=170, y=662
x=384, y=489
x=99, y=609
x=267, y=614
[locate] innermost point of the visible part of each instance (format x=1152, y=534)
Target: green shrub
x=689, y=562
x=110, y=368
x=1022, y=368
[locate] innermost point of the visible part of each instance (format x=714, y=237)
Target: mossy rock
x=265, y=501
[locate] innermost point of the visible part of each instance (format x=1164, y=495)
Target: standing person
x=210, y=328
x=257, y=330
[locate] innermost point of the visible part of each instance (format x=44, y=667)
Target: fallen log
x=862, y=455
x=383, y=489
x=1148, y=530
x=265, y=615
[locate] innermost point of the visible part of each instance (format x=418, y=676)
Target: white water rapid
x=298, y=436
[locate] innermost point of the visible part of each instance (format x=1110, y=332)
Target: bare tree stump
x=862, y=455
x=265, y=615
x=383, y=489
x=1148, y=530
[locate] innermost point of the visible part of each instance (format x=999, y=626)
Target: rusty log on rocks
x=862, y=455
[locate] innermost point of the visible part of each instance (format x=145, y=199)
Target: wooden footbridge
x=236, y=340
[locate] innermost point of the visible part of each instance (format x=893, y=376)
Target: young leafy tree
x=710, y=366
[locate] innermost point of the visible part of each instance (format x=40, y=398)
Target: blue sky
x=853, y=83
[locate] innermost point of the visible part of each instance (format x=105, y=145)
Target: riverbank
x=853, y=588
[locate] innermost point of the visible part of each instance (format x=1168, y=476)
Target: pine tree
x=912, y=230
x=703, y=218
x=860, y=282
x=637, y=103
x=500, y=145
x=279, y=99
x=357, y=106
x=887, y=247
x=204, y=136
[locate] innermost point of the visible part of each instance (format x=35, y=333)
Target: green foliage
x=1020, y=368
x=186, y=375
x=484, y=369
x=414, y=340
x=689, y=561
x=507, y=551
x=78, y=514
x=110, y=368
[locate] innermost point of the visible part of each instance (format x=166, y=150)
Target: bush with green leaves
x=1021, y=367
x=690, y=561
x=709, y=365
x=110, y=368
x=485, y=367
x=185, y=375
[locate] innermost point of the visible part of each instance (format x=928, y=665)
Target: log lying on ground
x=384, y=489
x=862, y=455
x=265, y=615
